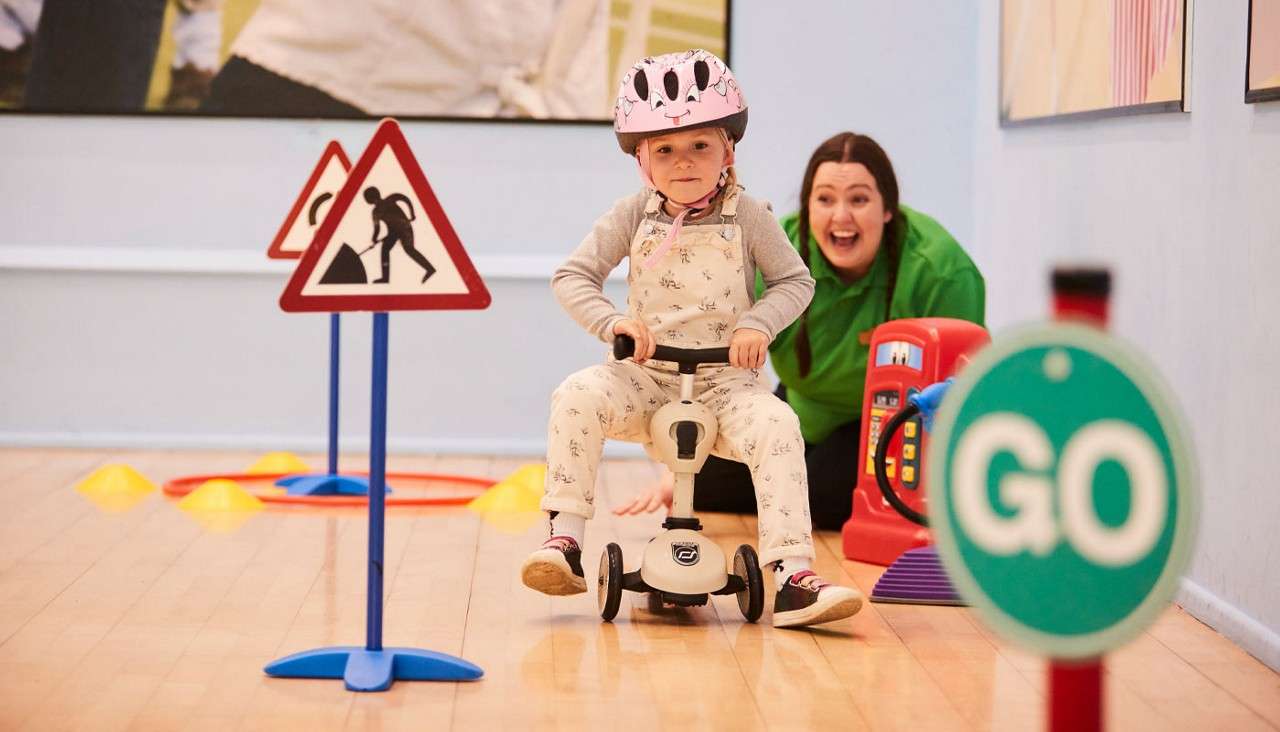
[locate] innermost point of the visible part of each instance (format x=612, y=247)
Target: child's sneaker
x=807, y=599
x=555, y=568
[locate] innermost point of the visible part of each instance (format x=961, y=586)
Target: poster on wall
x=1092, y=58
x=432, y=59
x=1262, y=83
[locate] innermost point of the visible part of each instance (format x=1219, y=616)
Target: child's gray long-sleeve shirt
x=579, y=283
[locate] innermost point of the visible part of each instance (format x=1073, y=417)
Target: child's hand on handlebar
x=748, y=348
x=645, y=344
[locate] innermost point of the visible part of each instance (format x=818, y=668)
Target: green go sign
x=1065, y=497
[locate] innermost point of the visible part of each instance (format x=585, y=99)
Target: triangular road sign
x=386, y=244
x=312, y=204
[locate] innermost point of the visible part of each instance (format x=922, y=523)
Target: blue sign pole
x=377, y=479
x=329, y=483
x=374, y=668
x=334, y=340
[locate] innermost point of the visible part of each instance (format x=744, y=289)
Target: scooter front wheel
x=746, y=565
x=609, y=591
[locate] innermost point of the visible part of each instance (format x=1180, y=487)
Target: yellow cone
x=280, y=462
x=220, y=494
x=220, y=505
x=511, y=505
x=519, y=492
x=115, y=488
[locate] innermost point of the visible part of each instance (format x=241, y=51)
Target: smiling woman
x=847, y=216
x=872, y=260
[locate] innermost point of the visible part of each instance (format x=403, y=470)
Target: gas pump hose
x=882, y=472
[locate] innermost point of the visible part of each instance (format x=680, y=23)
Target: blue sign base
x=324, y=484
x=373, y=668
x=365, y=670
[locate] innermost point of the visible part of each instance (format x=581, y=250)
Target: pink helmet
x=677, y=91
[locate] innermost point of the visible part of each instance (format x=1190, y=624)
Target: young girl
x=694, y=243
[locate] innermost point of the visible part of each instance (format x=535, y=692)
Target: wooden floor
x=145, y=620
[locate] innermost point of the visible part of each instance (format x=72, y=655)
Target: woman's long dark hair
x=850, y=147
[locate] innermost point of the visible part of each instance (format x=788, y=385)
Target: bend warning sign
x=385, y=244
x=312, y=204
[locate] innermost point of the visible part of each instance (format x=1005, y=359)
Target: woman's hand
x=748, y=348
x=652, y=499
x=645, y=344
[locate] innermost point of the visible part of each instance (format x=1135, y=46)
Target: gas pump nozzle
x=929, y=399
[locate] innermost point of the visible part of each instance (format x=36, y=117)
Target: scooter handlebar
x=624, y=346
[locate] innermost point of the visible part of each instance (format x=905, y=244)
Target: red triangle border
x=330, y=150
x=477, y=296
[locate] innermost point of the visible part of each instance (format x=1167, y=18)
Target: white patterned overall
x=690, y=298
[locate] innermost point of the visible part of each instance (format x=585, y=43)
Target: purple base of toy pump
x=916, y=578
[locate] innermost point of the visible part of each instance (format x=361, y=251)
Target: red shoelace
x=807, y=579
x=560, y=543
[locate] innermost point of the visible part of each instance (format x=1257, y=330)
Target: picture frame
x=1092, y=59
x=1262, y=65
x=436, y=60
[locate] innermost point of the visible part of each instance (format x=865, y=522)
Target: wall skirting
x=1260, y=641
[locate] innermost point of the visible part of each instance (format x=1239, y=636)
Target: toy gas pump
x=906, y=357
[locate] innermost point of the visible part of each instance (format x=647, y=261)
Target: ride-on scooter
x=681, y=566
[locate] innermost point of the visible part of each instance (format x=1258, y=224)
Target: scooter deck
x=633, y=582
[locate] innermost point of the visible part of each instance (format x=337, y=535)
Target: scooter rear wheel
x=609, y=591
x=746, y=565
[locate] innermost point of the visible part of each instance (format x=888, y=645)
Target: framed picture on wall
x=411, y=59
x=1262, y=79
x=1092, y=58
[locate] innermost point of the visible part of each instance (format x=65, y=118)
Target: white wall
x=198, y=353
x=1183, y=207
x=901, y=72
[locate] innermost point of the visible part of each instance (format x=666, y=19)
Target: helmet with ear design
x=677, y=91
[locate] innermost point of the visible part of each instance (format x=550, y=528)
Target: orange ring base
x=468, y=488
